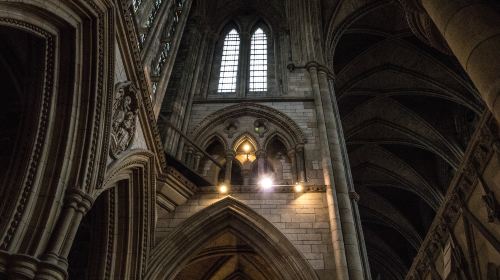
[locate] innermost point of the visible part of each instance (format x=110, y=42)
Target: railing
x=190, y=161
x=193, y=144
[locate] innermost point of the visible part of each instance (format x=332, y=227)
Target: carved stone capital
x=230, y=154
x=261, y=153
x=78, y=200
x=299, y=148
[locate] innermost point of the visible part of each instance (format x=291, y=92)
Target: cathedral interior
x=250, y=139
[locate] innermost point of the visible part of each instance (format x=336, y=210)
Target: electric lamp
x=266, y=183
x=223, y=189
x=298, y=187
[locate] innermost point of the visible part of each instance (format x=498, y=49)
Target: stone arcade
x=250, y=139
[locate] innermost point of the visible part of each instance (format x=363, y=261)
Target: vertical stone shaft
x=340, y=180
x=301, y=170
x=472, y=30
x=293, y=163
x=229, y=165
x=54, y=262
x=261, y=162
x=326, y=160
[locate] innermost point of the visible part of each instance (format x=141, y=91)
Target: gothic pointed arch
x=260, y=46
x=72, y=113
x=213, y=138
x=277, y=118
x=233, y=216
x=245, y=137
x=126, y=204
x=277, y=136
x=229, y=59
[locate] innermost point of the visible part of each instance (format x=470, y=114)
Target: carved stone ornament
x=230, y=127
x=124, y=119
x=261, y=127
x=492, y=206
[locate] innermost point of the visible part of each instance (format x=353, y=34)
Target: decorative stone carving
x=261, y=127
x=230, y=127
x=125, y=107
x=492, y=206
x=460, y=189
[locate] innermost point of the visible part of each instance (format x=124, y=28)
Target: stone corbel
x=354, y=196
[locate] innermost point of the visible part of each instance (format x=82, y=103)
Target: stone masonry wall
x=302, y=112
x=302, y=218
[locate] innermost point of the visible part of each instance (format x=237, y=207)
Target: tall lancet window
x=258, y=61
x=229, y=66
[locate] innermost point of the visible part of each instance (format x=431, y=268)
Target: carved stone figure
x=124, y=118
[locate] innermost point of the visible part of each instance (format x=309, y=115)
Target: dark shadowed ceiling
x=408, y=112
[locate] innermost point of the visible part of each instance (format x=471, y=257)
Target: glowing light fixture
x=223, y=189
x=247, y=148
x=266, y=183
x=298, y=187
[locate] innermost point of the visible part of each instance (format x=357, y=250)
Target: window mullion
x=244, y=69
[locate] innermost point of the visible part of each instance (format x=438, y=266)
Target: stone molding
x=90, y=125
x=47, y=96
x=478, y=154
x=138, y=73
x=247, y=108
x=256, y=189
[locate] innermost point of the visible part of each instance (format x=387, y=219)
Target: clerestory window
x=229, y=65
x=258, y=61
x=244, y=63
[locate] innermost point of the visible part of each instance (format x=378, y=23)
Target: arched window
x=229, y=64
x=258, y=61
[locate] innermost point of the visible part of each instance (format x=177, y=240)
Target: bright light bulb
x=299, y=187
x=223, y=189
x=246, y=148
x=266, y=183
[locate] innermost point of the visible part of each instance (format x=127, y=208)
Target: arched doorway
x=227, y=240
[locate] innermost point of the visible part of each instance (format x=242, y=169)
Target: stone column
x=472, y=30
x=54, y=263
x=189, y=156
x=301, y=169
x=229, y=165
x=341, y=268
x=197, y=159
x=261, y=162
x=293, y=163
x=349, y=230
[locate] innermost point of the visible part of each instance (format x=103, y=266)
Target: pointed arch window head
x=258, y=61
x=229, y=65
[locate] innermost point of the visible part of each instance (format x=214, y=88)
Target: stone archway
x=228, y=239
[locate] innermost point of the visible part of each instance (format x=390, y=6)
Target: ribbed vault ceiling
x=407, y=112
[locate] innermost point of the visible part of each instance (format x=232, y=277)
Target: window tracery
x=258, y=61
x=242, y=63
x=230, y=61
